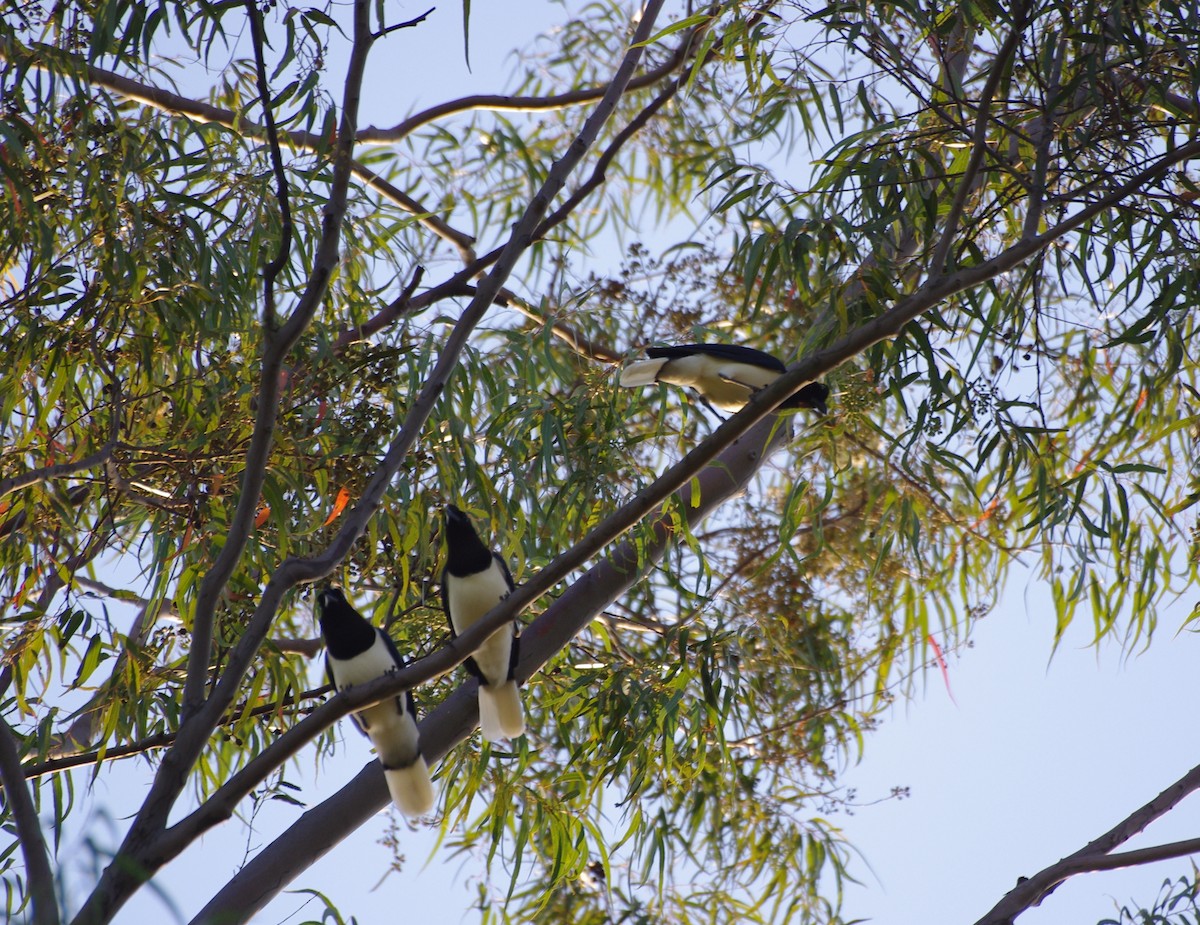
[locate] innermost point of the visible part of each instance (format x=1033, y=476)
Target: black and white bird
x=725, y=375
x=357, y=652
x=474, y=581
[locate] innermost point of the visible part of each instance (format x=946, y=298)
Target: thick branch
x=454, y=719
x=120, y=877
x=139, y=851
x=29, y=831
x=57, y=471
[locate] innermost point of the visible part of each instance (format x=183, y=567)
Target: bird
x=357, y=652
x=725, y=375
x=474, y=581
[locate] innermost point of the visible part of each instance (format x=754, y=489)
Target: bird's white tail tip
x=411, y=788
x=643, y=372
x=500, y=713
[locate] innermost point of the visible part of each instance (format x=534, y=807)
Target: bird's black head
x=333, y=609
x=466, y=551
x=347, y=632
x=331, y=598
x=811, y=396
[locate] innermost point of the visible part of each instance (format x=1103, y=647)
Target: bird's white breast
x=365, y=666
x=470, y=598
x=473, y=596
x=726, y=383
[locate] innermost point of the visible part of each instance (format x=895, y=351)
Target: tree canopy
x=258, y=333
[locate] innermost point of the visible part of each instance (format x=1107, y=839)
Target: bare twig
x=272, y=269
x=1096, y=855
x=966, y=184
x=500, y=103
x=29, y=831
x=400, y=306
x=407, y=24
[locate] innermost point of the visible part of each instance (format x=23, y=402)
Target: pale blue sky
x=1035, y=758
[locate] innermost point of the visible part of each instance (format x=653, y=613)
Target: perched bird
x=357, y=652
x=474, y=581
x=725, y=375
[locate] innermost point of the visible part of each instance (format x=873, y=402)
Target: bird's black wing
x=736, y=353
x=403, y=701
x=504, y=569
x=514, y=651
x=446, y=600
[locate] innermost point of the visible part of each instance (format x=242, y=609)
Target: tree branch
x=455, y=718
x=276, y=346
x=308, y=647
x=407, y=24
x=138, y=851
x=29, y=831
x=272, y=269
x=124, y=873
x=998, y=69
x=1096, y=854
x=500, y=103
x=57, y=471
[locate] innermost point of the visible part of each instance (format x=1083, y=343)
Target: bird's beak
x=453, y=513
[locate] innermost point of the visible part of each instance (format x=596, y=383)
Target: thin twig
x=966, y=185
x=272, y=269
x=500, y=103
x=1096, y=854
x=164, y=739
x=408, y=24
